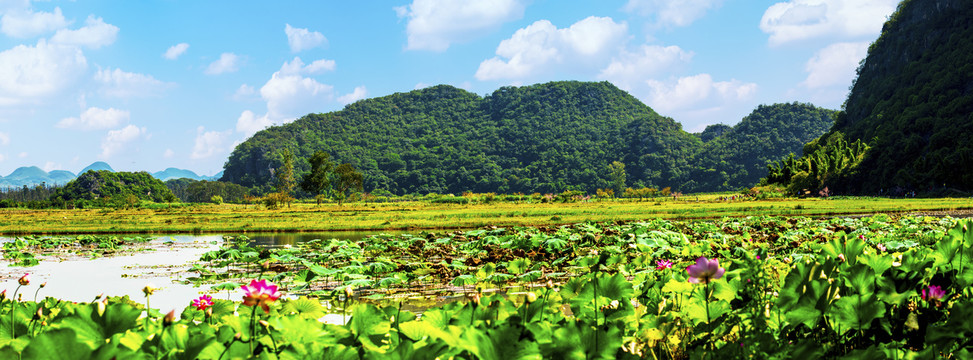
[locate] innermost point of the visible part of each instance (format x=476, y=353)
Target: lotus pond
x=761, y=287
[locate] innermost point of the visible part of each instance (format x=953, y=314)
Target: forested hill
x=540, y=138
x=912, y=103
x=738, y=156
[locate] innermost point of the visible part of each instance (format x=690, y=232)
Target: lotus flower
x=203, y=302
x=663, y=264
x=260, y=293
x=933, y=294
x=24, y=280
x=705, y=270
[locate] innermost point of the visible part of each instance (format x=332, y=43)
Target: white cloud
x=687, y=97
x=96, y=118
x=118, y=83
x=116, y=140
x=4, y=139
x=303, y=39
x=28, y=73
x=835, y=65
x=421, y=85
x=2, y=157
x=796, y=20
x=436, y=24
x=541, y=46
x=228, y=62
x=359, y=93
x=28, y=24
x=168, y=154
x=297, y=67
x=244, y=92
x=175, y=51
x=95, y=34
x=320, y=66
x=209, y=143
x=22, y=154
x=288, y=94
x=248, y=123
x=630, y=67
x=672, y=12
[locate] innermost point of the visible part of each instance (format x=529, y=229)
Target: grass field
x=425, y=215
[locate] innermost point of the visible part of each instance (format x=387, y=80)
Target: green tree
x=285, y=177
x=318, y=181
x=616, y=176
x=346, y=179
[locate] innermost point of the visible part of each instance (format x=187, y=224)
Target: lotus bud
x=349, y=292
x=24, y=280
x=264, y=323
x=237, y=336
x=149, y=289
x=43, y=284
x=550, y=284
x=39, y=314
x=531, y=297
x=841, y=257
x=3, y=295
x=613, y=304
x=101, y=308
x=169, y=318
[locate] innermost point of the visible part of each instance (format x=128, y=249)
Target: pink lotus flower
x=705, y=270
x=24, y=280
x=203, y=302
x=663, y=264
x=260, y=293
x=933, y=294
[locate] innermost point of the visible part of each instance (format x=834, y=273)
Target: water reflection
x=80, y=279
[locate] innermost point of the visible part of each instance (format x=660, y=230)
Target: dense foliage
x=189, y=190
x=738, y=157
x=912, y=103
x=767, y=288
x=106, y=186
x=544, y=138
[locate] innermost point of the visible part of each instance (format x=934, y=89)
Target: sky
x=148, y=85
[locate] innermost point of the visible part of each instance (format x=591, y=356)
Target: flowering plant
x=260, y=293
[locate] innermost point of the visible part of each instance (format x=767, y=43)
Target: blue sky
x=146, y=85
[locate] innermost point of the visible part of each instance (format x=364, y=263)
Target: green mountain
x=540, y=138
x=27, y=172
x=31, y=176
x=738, y=157
x=61, y=176
x=97, y=165
x=911, y=108
x=173, y=173
x=103, y=185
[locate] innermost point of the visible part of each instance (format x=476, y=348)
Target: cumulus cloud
x=121, y=84
x=4, y=139
x=289, y=94
x=303, y=39
x=175, y=51
x=630, y=67
x=116, y=140
x=227, y=63
x=96, y=118
x=28, y=73
x=95, y=34
x=359, y=93
x=27, y=24
x=168, y=154
x=672, y=12
x=244, y=92
x=541, y=46
x=209, y=143
x=835, y=65
x=437, y=24
x=796, y=20
x=297, y=67
x=695, y=100
x=249, y=123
